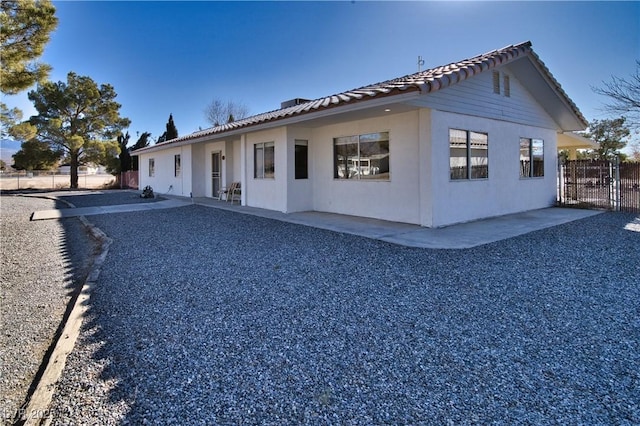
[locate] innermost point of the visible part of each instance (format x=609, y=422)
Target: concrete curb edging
x=36, y=411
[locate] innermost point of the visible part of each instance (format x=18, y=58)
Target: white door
x=215, y=174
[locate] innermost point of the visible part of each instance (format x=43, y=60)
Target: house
x=456, y=143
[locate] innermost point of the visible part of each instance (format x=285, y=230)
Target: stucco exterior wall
x=268, y=193
x=299, y=191
x=504, y=191
x=164, y=180
x=397, y=199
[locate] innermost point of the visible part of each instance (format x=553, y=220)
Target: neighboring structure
x=465, y=141
x=572, y=142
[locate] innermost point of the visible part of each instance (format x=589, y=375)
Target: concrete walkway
x=121, y=208
x=465, y=235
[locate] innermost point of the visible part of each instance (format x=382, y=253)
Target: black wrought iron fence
x=600, y=184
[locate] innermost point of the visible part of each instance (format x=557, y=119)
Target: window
x=301, y=159
x=507, y=86
x=176, y=165
x=496, y=82
x=362, y=157
x=531, y=158
x=468, y=155
x=263, y=160
x=152, y=167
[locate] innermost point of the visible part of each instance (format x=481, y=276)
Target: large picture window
x=362, y=157
x=263, y=160
x=468, y=155
x=531, y=158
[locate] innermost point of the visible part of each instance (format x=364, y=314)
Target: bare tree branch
x=624, y=95
x=219, y=112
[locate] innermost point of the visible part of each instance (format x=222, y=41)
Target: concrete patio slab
x=460, y=236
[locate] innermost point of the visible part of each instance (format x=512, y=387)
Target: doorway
x=216, y=167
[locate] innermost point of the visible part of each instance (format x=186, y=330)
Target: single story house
x=456, y=143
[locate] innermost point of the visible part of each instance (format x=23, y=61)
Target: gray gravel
x=104, y=198
x=203, y=316
x=41, y=264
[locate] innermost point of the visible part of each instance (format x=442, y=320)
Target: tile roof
x=427, y=81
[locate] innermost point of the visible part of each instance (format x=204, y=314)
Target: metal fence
x=39, y=179
x=600, y=184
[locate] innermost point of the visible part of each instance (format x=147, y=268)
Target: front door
x=215, y=174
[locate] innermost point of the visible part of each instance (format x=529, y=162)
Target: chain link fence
x=47, y=179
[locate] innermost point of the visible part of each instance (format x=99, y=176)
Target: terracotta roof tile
x=427, y=81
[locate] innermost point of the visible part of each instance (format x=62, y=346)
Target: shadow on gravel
x=203, y=316
x=107, y=198
x=76, y=248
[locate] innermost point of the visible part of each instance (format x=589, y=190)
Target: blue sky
x=175, y=57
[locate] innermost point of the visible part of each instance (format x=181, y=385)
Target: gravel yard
x=42, y=263
x=105, y=198
x=203, y=316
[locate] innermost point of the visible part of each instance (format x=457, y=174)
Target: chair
x=235, y=191
x=223, y=193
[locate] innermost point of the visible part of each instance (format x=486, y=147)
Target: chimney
x=293, y=102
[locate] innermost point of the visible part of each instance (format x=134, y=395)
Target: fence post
x=560, y=181
x=617, y=183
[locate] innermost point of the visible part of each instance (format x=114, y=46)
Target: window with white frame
x=531, y=158
x=176, y=165
x=468, y=154
x=362, y=157
x=264, y=160
x=152, y=167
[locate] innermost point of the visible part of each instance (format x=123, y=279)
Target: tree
x=35, y=155
x=74, y=116
x=25, y=26
x=635, y=151
x=218, y=112
x=171, y=132
x=8, y=119
x=143, y=142
x=610, y=135
x=105, y=153
x=125, y=156
x=625, y=96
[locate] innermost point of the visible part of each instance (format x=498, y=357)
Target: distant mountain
x=8, y=147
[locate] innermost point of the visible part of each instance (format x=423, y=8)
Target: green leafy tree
x=610, y=134
x=74, y=116
x=8, y=119
x=35, y=155
x=105, y=153
x=25, y=26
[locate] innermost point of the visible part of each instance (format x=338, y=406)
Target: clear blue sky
x=175, y=57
